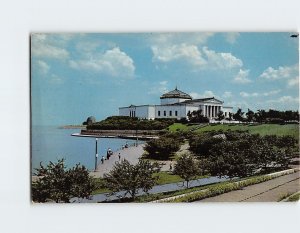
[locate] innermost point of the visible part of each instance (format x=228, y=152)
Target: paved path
x=132, y=154
x=156, y=189
x=269, y=191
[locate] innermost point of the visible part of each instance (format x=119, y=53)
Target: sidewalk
x=132, y=154
x=269, y=191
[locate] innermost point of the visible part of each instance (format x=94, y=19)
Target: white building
x=177, y=104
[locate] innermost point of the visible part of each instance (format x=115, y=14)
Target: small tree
x=221, y=116
x=238, y=116
x=250, y=115
x=162, y=148
x=187, y=167
x=131, y=178
x=57, y=184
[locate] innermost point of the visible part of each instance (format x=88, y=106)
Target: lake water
x=49, y=143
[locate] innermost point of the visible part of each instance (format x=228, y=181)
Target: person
x=171, y=167
x=107, y=154
x=126, y=145
x=102, y=159
x=119, y=156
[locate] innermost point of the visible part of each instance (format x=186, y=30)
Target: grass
x=295, y=197
x=223, y=188
x=262, y=129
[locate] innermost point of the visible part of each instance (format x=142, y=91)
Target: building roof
x=176, y=94
x=204, y=100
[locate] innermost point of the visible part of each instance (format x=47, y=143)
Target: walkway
x=269, y=191
x=156, y=189
x=132, y=154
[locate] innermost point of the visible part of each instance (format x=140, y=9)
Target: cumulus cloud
x=242, y=77
x=221, y=60
x=282, y=72
x=43, y=47
x=55, y=79
x=255, y=94
x=231, y=37
x=294, y=82
x=113, y=62
x=177, y=52
x=159, y=88
x=227, y=94
x=285, y=99
x=42, y=67
x=198, y=58
x=167, y=39
x=245, y=94
x=205, y=94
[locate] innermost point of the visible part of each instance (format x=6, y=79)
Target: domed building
x=177, y=104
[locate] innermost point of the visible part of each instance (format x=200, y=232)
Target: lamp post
x=96, y=154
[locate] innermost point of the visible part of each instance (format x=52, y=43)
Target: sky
x=74, y=76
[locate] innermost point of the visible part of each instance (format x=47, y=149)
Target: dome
x=176, y=94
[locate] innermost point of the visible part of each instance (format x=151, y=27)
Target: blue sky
x=74, y=76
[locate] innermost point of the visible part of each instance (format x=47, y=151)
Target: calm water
x=50, y=143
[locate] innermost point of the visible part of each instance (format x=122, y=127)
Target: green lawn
x=263, y=129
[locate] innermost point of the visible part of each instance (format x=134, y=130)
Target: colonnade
x=211, y=111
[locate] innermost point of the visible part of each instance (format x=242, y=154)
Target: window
x=176, y=113
x=170, y=113
x=165, y=113
x=158, y=113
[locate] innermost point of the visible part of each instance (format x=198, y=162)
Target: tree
x=187, y=167
x=57, y=184
x=162, y=148
x=238, y=116
x=250, y=115
x=221, y=116
x=131, y=178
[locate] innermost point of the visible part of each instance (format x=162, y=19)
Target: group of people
x=109, y=153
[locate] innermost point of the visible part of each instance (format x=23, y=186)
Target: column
x=204, y=110
x=210, y=111
x=214, y=111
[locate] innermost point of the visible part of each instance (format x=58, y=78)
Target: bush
x=57, y=184
x=162, y=148
x=130, y=123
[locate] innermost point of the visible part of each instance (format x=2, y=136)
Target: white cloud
x=113, y=62
x=293, y=82
x=283, y=72
x=202, y=59
x=42, y=67
x=159, y=88
x=54, y=79
x=245, y=94
x=167, y=39
x=285, y=100
x=242, y=77
x=227, y=94
x=255, y=94
x=221, y=60
x=205, y=94
x=43, y=47
x=231, y=37
x=177, y=52
x=273, y=92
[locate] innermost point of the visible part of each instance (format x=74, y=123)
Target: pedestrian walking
x=102, y=159
x=171, y=167
x=119, y=156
